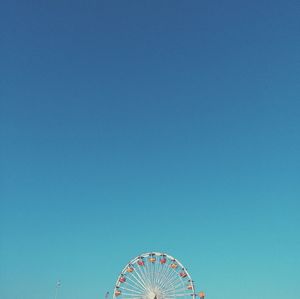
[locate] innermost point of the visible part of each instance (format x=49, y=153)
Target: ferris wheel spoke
x=167, y=292
x=169, y=279
x=141, y=280
x=138, y=281
x=151, y=269
x=163, y=274
x=181, y=285
x=176, y=286
x=131, y=290
x=164, y=271
x=157, y=270
x=182, y=288
x=176, y=289
x=179, y=295
x=169, y=288
x=160, y=269
x=173, y=285
x=131, y=285
x=144, y=274
x=130, y=295
x=171, y=273
x=154, y=273
x=174, y=277
x=136, y=285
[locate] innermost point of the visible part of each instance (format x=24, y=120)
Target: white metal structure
x=154, y=275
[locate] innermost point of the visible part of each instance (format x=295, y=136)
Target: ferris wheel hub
x=151, y=295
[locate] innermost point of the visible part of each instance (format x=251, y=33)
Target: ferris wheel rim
x=133, y=262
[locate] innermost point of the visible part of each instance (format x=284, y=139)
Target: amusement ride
x=155, y=275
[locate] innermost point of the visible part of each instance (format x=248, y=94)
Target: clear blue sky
x=132, y=126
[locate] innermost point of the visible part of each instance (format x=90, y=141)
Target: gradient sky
x=135, y=126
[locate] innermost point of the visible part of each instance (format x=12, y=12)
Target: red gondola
x=140, y=262
x=122, y=279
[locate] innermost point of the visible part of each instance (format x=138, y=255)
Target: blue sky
x=132, y=126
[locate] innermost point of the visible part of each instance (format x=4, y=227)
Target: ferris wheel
x=154, y=275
